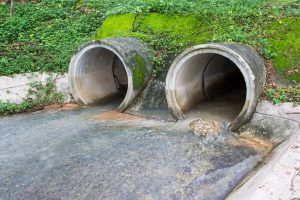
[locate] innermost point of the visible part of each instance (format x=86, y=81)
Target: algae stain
x=139, y=72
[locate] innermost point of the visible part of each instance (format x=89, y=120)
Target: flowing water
x=96, y=153
x=224, y=107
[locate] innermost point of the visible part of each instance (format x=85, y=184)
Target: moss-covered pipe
x=102, y=70
x=204, y=74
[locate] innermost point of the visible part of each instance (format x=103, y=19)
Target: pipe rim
x=73, y=68
x=238, y=60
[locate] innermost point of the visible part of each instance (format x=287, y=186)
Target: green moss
x=165, y=23
x=138, y=35
x=184, y=28
x=115, y=26
x=169, y=34
x=180, y=26
x=139, y=72
x=284, y=42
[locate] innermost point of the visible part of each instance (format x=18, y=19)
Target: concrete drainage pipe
x=102, y=70
x=220, y=82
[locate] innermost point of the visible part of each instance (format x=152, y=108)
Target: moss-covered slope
x=284, y=42
x=277, y=38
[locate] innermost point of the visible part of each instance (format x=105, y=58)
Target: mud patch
x=116, y=116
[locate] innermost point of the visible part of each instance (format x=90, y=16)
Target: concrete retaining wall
x=15, y=89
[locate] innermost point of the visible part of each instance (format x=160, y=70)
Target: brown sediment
x=260, y=145
x=67, y=106
x=115, y=115
x=70, y=106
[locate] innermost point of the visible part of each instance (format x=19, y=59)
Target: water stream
x=94, y=153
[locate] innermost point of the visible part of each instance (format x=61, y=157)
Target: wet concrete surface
x=224, y=107
x=72, y=155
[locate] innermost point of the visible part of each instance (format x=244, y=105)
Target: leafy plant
x=44, y=93
x=164, y=46
x=43, y=36
x=280, y=94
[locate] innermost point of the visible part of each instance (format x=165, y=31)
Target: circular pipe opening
x=215, y=82
x=115, y=68
x=211, y=86
x=100, y=75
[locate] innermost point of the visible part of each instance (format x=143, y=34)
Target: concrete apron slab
x=278, y=176
x=15, y=89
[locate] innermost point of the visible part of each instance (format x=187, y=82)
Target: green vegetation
x=284, y=42
x=180, y=26
x=168, y=35
x=109, y=27
x=255, y=23
x=139, y=72
x=280, y=94
x=39, y=96
x=43, y=34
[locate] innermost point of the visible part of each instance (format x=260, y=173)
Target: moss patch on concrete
x=284, y=40
x=115, y=26
x=185, y=28
x=179, y=26
x=139, y=72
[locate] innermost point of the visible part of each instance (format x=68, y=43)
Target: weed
x=39, y=95
x=282, y=94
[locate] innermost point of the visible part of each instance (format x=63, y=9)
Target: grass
x=43, y=36
x=283, y=41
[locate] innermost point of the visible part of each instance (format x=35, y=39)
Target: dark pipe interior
x=221, y=76
x=224, y=90
x=120, y=76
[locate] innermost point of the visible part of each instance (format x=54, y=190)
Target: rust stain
x=260, y=145
x=70, y=106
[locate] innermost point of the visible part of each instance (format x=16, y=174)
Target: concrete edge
x=278, y=175
x=15, y=89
